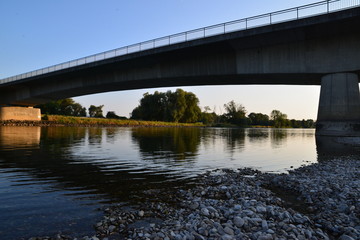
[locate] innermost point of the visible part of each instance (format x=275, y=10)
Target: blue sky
x=40, y=33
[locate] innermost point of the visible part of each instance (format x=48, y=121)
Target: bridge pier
x=20, y=114
x=339, y=105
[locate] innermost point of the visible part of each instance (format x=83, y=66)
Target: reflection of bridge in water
x=316, y=44
x=21, y=137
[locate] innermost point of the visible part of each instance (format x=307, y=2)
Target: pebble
x=228, y=204
x=141, y=213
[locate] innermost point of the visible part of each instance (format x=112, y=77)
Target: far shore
x=70, y=121
x=57, y=120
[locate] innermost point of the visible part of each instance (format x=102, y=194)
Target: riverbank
x=57, y=120
x=229, y=204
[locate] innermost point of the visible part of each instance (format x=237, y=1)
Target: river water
x=56, y=179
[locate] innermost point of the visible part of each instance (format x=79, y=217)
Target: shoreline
x=237, y=204
x=105, y=123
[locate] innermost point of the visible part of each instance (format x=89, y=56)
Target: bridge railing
x=319, y=8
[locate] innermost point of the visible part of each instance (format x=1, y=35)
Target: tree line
x=183, y=107
x=68, y=107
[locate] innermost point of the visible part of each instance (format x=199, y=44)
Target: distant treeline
x=68, y=107
x=181, y=107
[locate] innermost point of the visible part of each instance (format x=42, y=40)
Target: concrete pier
x=339, y=105
x=20, y=113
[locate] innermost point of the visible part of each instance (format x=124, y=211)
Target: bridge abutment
x=339, y=105
x=20, y=114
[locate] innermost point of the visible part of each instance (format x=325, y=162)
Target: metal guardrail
x=319, y=8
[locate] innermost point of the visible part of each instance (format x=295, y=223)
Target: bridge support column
x=20, y=114
x=339, y=105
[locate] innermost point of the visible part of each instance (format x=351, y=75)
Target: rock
x=346, y=237
x=264, y=225
x=229, y=231
x=261, y=209
x=265, y=237
x=239, y=222
x=141, y=213
x=205, y=212
x=111, y=228
x=194, y=205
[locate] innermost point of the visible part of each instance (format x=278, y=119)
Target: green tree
x=112, y=114
x=259, y=119
x=235, y=113
x=279, y=119
x=96, y=111
x=178, y=106
x=192, y=111
x=66, y=107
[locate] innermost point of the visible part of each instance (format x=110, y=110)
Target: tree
x=96, y=111
x=279, y=119
x=259, y=119
x=236, y=113
x=178, y=106
x=66, y=107
x=111, y=114
x=192, y=110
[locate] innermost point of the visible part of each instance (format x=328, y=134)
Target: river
x=57, y=179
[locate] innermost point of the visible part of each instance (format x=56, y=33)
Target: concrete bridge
x=310, y=47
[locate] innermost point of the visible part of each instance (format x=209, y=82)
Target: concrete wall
x=20, y=113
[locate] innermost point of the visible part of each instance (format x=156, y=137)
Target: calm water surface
x=56, y=179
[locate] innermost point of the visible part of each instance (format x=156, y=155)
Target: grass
x=69, y=120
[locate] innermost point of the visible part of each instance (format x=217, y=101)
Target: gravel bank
x=228, y=204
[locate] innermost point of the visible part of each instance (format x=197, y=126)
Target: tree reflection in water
x=171, y=144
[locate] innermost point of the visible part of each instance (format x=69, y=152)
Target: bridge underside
x=301, y=52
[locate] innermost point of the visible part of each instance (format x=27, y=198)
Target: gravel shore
x=319, y=201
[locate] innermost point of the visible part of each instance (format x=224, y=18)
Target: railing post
x=327, y=3
x=297, y=13
x=270, y=19
x=246, y=23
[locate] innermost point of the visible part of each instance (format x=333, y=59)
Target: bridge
x=315, y=44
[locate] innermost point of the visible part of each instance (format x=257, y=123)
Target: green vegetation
x=169, y=109
x=178, y=106
x=87, y=121
x=96, y=111
x=66, y=107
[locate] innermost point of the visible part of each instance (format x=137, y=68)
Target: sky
x=40, y=33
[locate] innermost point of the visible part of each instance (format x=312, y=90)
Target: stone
x=229, y=231
x=264, y=225
x=194, y=205
x=205, y=212
x=239, y=222
x=141, y=213
x=346, y=237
